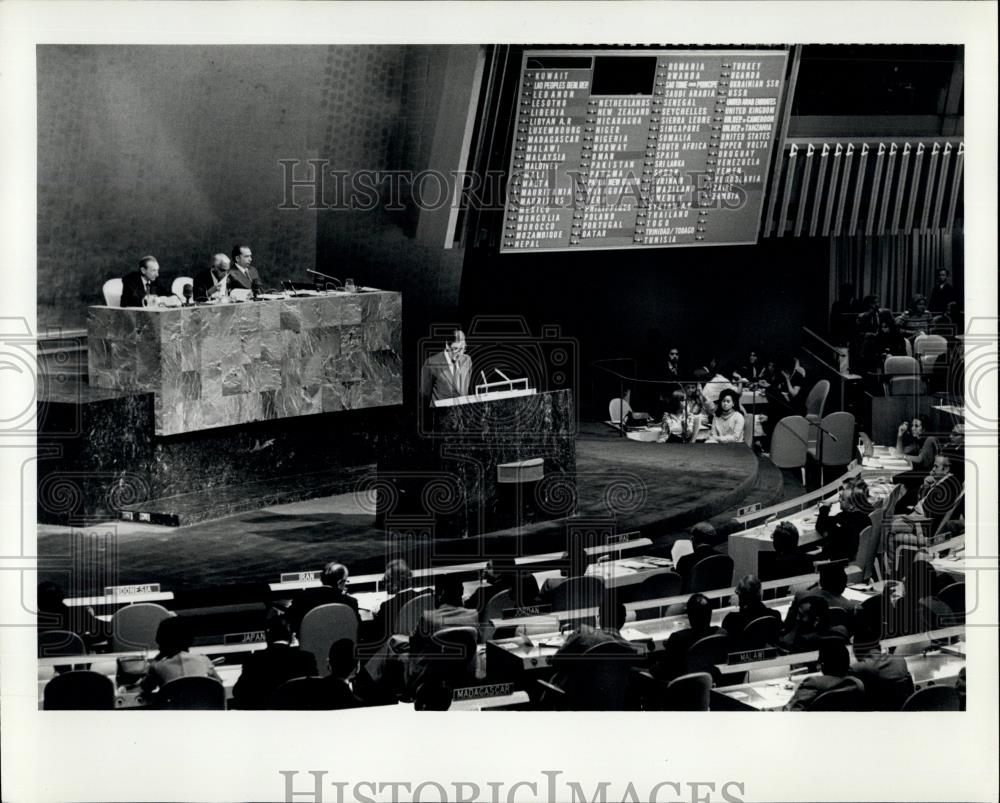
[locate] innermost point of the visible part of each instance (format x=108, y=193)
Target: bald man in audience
x=333, y=590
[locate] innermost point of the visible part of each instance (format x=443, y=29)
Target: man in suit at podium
x=242, y=275
x=446, y=374
x=139, y=284
x=213, y=280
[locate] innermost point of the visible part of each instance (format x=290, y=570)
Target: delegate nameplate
x=124, y=592
x=643, y=149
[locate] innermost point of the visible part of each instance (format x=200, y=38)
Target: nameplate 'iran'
x=300, y=577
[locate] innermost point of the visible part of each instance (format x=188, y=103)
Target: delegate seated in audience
x=727, y=425
x=174, y=638
x=575, y=561
x=913, y=446
x=54, y=614
x=398, y=583
x=752, y=370
x=916, y=319
x=695, y=399
x=265, y=670
x=332, y=590
x=786, y=560
x=949, y=322
x=841, y=532
x=886, y=342
x=809, y=619
x=343, y=663
x=751, y=607
x=870, y=317
x=832, y=583
x=450, y=612
x=712, y=385
x=887, y=679
x=679, y=425
x=503, y=574
x=936, y=498
x=918, y=610
x=673, y=663
x=611, y=619
x=834, y=662
x=703, y=538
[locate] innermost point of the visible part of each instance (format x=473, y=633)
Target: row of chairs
x=907, y=376
x=829, y=441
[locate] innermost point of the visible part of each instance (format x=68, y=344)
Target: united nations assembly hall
x=523, y=378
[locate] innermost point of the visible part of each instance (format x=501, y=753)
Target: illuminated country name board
x=642, y=149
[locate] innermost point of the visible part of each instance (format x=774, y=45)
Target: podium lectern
x=484, y=463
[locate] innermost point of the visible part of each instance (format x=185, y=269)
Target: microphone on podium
x=325, y=276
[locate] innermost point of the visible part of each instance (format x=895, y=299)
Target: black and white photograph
x=603, y=371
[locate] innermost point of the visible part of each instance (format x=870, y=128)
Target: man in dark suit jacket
x=751, y=607
x=242, y=274
x=212, y=281
x=786, y=560
x=832, y=583
x=702, y=538
x=502, y=574
x=143, y=282
x=674, y=661
x=887, y=679
x=446, y=374
x=265, y=670
x=343, y=663
x=426, y=660
x=835, y=662
x=333, y=590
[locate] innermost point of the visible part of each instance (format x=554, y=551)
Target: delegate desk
x=217, y=365
x=774, y=694
x=803, y=511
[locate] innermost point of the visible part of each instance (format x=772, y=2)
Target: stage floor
x=657, y=489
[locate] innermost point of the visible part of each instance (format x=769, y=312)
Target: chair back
x=599, y=680
x=842, y=617
x=689, y=692
x=494, y=609
x=658, y=586
x=192, y=693
x=714, y=571
x=953, y=596
x=900, y=366
x=324, y=625
x=907, y=386
x=54, y=643
x=843, y=698
x=134, y=626
x=929, y=346
x=453, y=658
x=837, y=452
x=409, y=615
x=868, y=542
x=706, y=652
x=301, y=694
x=933, y=698
x=80, y=690
x=617, y=410
x=177, y=286
x=112, y=291
x=760, y=632
x=789, y=442
x=816, y=400
x=578, y=592
x=748, y=427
